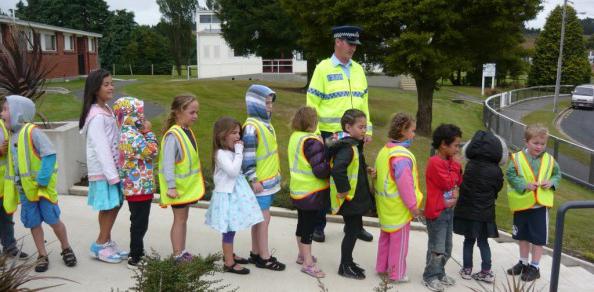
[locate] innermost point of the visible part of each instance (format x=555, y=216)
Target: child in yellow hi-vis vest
x=33, y=171
x=180, y=175
x=532, y=177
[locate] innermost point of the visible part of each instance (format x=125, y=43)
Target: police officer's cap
x=348, y=33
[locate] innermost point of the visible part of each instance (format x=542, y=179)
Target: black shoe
x=365, y=236
x=357, y=267
x=271, y=263
x=231, y=269
x=13, y=252
x=42, y=264
x=135, y=262
x=319, y=236
x=518, y=269
x=253, y=259
x=350, y=271
x=530, y=274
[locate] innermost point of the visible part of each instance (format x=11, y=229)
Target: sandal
x=253, y=259
x=240, y=260
x=299, y=260
x=271, y=263
x=42, y=264
x=68, y=257
x=231, y=269
x=313, y=271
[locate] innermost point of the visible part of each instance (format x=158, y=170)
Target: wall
x=216, y=59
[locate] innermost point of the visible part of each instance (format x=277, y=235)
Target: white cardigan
x=227, y=168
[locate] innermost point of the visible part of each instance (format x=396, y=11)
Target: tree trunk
x=425, y=105
x=311, y=66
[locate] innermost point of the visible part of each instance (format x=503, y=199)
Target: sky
x=147, y=11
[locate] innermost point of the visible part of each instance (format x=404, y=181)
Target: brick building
x=75, y=52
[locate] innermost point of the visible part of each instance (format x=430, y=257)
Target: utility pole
x=560, y=59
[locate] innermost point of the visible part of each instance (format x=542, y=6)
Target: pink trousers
x=391, y=253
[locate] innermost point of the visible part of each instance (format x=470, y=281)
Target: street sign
x=489, y=70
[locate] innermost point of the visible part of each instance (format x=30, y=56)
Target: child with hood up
x=474, y=216
x=137, y=148
x=33, y=170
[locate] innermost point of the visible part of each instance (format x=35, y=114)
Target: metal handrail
x=559, y=225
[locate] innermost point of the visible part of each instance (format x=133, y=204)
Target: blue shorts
x=532, y=225
x=265, y=201
x=33, y=213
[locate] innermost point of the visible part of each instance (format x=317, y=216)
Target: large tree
x=429, y=38
x=115, y=40
x=259, y=27
x=145, y=47
x=575, y=69
x=178, y=19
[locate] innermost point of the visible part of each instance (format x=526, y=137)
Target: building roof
x=37, y=25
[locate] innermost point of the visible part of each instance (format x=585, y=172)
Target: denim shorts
x=33, y=213
x=265, y=201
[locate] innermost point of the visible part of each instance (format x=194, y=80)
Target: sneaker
x=518, y=269
x=123, y=254
x=466, y=273
x=14, y=252
x=434, y=285
x=485, y=276
x=350, y=271
x=447, y=281
x=404, y=279
x=319, y=236
x=530, y=274
x=184, y=257
x=135, y=262
x=105, y=253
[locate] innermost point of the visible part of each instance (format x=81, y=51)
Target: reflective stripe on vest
x=392, y=212
x=29, y=164
x=352, y=174
x=189, y=182
x=337, y=93
x=267, y=160
x=3, y=158
x=303, y=181
x=528, y=199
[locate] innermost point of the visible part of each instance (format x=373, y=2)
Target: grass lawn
x=218, y=98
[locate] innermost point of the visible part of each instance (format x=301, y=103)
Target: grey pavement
x=579, y=125
x=93, y=275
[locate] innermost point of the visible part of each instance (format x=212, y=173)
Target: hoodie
x=341, y=153
x=137, y=149
x=22, y=111
x=102, y=137
x=483, y=178
x=255, y=100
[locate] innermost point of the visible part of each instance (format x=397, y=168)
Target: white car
x=583, y=96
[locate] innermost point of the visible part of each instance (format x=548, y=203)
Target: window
x=584, y=91
x=209, y=19
x=92, y=45
x=48, y=42
x=27, y=37
x=68, y=42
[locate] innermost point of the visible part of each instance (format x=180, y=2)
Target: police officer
x=338, y=84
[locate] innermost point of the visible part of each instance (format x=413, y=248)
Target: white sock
x=535, y=264
x=524, y=261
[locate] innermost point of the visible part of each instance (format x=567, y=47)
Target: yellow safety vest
x=526, y=200
x=267, y=160
x=352, y=173
x=29, y=164
x=303, y=181
x=392, y=212
x=331, y=93
x=189, y=182
x=3, y=158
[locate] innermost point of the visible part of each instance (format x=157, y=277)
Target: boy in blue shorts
x=32, y=168
x=532, y=177
x=261, y=166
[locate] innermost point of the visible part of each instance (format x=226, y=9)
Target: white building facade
x=216, y=59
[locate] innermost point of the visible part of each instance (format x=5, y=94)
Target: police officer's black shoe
x=14, y=252
x=318, y=236
x=518, y=269
x=350, y=271
x=365, y=236
x=530, y=274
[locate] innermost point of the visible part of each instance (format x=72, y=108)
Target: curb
x=504, y=237
x=557, y=123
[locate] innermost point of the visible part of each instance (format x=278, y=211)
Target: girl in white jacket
x=233, y=205
x=98, y=124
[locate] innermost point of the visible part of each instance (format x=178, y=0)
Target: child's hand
x=531, y=186
x=342, y=195
x=416, y=212
x=146, y=126
x=367, y=139
x=546, y=184
x=257, y=187
x=371, y=171
x=4, y=148
x=172, y=193
x=451, y=202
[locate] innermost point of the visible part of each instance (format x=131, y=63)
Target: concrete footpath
x=93, y=275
